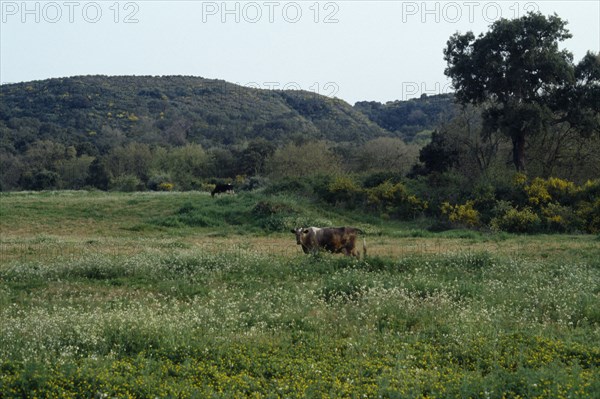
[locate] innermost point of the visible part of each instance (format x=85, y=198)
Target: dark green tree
x=517, y=71
x=40, y=180
x=254, y=157
x=98, y=175
x=439, y=155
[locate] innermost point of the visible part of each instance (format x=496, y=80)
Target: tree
x=187, y=165
x=44, y=154
x=254, y=156
x=98, y=175
x=518, y=73
x=312, y=158
x=439, y=155
x=133, y=159
x=386, y=154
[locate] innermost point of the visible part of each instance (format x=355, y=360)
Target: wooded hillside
x=137, y=128
x=101, y=111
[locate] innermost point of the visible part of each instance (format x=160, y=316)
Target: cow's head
x=301, y=234
x=303, y=238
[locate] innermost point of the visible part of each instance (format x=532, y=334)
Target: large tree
x=524, y=81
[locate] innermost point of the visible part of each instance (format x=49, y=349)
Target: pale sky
x=353, y=50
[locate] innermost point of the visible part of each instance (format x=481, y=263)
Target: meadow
x=144, y=295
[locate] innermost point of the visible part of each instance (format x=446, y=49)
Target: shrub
x=386, y=194
x=126, y=183
x=519, y=179
x=375, y=179
x=589, y=213
x=288, y=185
x=165, y=186
x=560, y=218
x=590, y=191
x=273, y=216
x=537, y=192
x=344, y=189
x=394, y=199
x=517, y=221
x=563, y=191
x=251, y=183
x=463, y=214
x=155, y=181
x=542, y=191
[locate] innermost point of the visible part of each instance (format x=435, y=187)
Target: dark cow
x=332, y=239
x=222, y=188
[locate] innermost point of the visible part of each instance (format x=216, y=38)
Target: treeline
x=47, y=165
x=129, y=132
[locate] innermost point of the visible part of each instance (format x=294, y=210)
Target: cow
x=333, y=239
x=222, y=188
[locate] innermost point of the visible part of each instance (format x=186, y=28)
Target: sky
x=353, y=50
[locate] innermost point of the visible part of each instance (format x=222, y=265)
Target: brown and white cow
x=332, y=239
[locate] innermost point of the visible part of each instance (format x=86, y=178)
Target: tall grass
x=189, y=323
x=127, y=306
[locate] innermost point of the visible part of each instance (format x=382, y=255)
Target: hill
x=170, y=110
x=407, y=118
x=178, y=110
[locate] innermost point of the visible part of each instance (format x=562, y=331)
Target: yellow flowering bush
x=541, y=191
x=394, y=199
x=386, y=193
x=166, y=186
x=464, y=214
x=517, y=221
x=537, y=192
x=519, y=179
x=344, y=189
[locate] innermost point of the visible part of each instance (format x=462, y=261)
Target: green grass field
x=180, y=295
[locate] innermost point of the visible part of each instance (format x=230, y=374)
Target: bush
x=395, y=200
x=463, y=214
x=562, y=191
x=560, y=218
x=344, y=190
x=375, y=179
x=517, y=221
x=126, y=183
x=252, y=183
x=288, y=185
x=273, y=216
x=537, y=192
x=589, y=213
x=165, y=187
x=156, y=181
